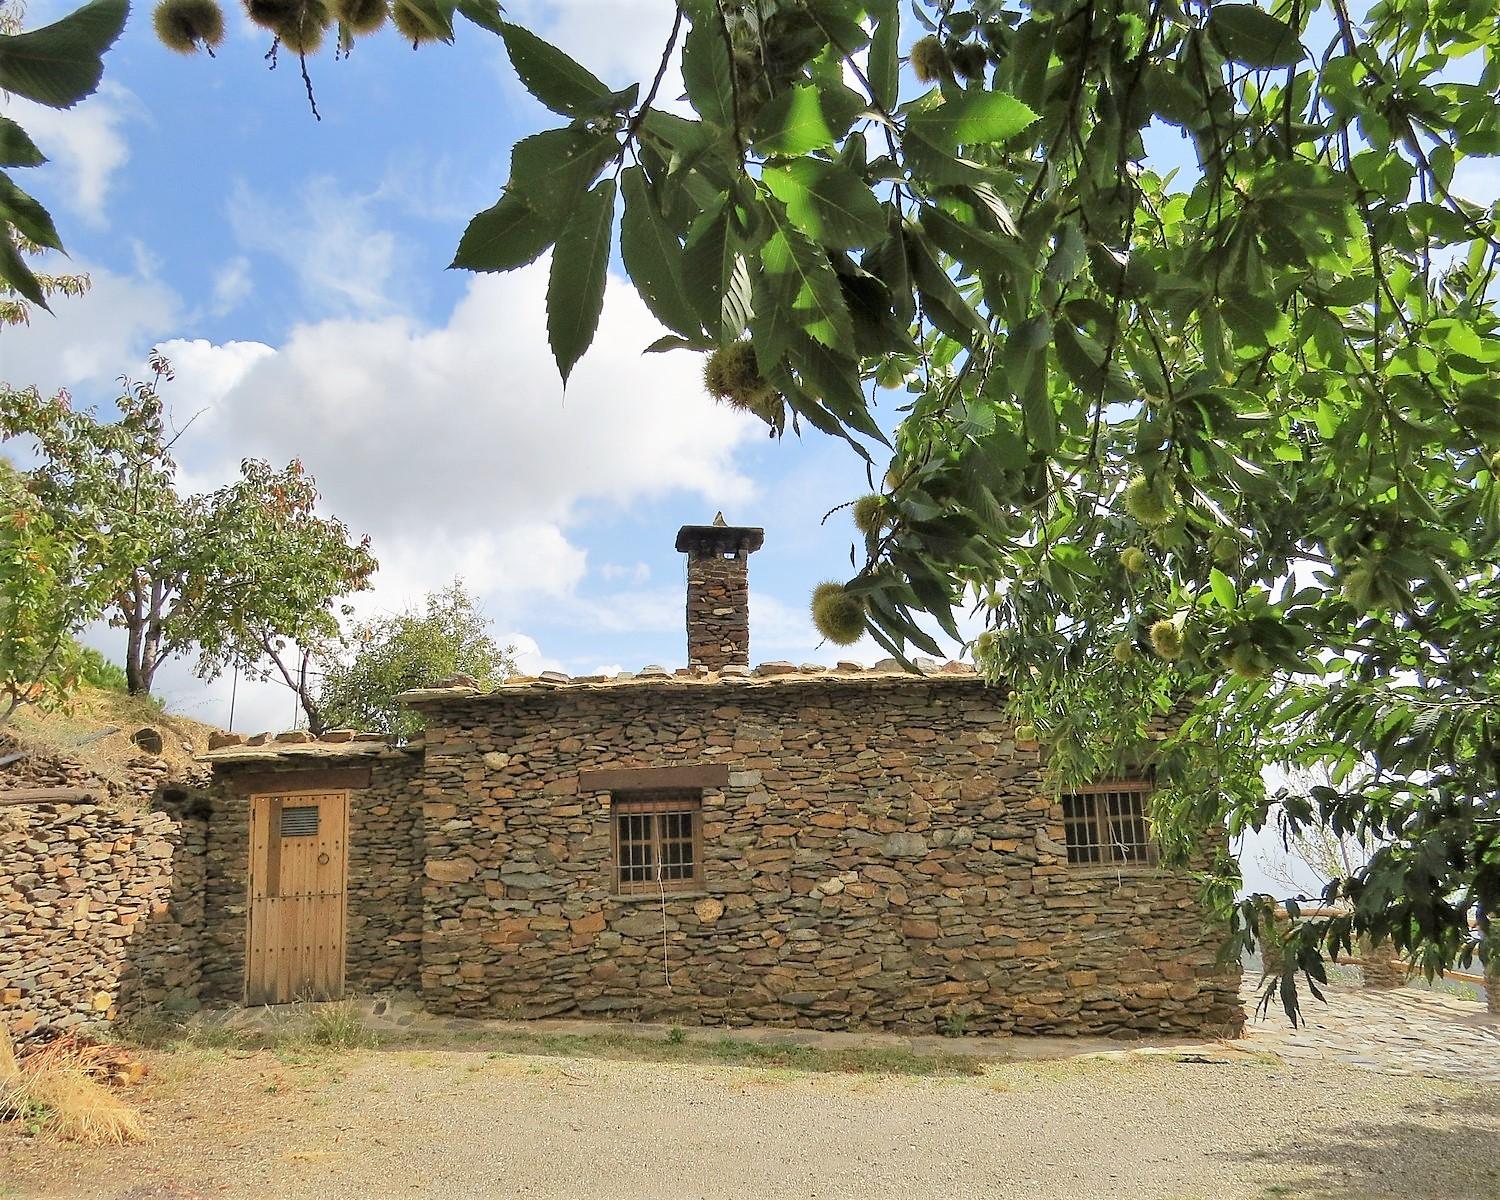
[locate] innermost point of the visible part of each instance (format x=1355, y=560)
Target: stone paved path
x=1406, y=1031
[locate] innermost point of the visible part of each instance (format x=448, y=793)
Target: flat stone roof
x=310, y=753
x=885, y=674
x=300, y=748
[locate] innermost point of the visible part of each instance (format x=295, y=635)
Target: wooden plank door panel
x=298, y=867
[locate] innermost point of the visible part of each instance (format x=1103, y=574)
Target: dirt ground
x=463, y=1122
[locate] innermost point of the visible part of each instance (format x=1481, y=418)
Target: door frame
x=253, y=800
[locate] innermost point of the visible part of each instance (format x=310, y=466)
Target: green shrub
x=97, y=671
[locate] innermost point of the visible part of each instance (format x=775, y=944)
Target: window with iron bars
x=658, y=842
x=1106, y=825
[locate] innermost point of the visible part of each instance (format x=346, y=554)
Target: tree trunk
x=134, y=646
x=315, y=722
x=151, y=651
x=299, y=684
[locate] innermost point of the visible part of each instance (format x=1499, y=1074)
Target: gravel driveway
x=451, y=1124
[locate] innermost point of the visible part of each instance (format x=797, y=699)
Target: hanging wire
x=666, y=970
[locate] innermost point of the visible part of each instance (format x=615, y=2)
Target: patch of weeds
x=299, y=1035
x=676, y=1035
x=340, y=1027
x=953, y=1023
x=734, y=1052
x=156, y=1029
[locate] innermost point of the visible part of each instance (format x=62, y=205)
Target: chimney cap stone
x=719, y=538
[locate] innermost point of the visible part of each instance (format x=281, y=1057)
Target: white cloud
x=84, y=142
x=655, y=610
x=529, y=658
x=456, y=449
x=329, y=239
x=93, y=338
x=614, y=572
x=231, y=285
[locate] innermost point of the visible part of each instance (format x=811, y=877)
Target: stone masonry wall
x=383, y=902
x=718, y=610
x=100, y=912
x=883, y=855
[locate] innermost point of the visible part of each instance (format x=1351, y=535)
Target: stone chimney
x=718, y=591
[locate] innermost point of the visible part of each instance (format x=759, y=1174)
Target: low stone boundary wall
x=100, y=912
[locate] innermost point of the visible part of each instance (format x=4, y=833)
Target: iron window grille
x=1106, y=825
x=658, y=842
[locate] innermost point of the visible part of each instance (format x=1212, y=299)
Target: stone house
x=718, y=844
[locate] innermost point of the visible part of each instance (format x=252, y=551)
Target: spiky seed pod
x=1025, y=732
x=1223, y=547
x=1148, y=504
x=838, y=616
x=985, y=646
x=731, y=370
x=1123, y=652
x=1246, y=661
x=1166, y=639
x=970, y=60
x=1362, y=588
x=271, y=14
x=732, y=375
x=302, y=32
x=186, y=25
x=928, y=58
x=411, y=26
x=361, y=16
x=1134, y=559
x=869, y=513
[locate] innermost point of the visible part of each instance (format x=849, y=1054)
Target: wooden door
x=298, y=859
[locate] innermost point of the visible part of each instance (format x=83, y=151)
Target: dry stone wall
x=102, y=912
x=384, y=900
x=883, y=854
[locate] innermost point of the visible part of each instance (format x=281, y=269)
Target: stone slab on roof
x=888, y=673
x=313, y=753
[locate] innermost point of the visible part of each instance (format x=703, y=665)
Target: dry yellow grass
x=64, y=733
x=9, y=1068
x=54, y=1092
x=73, y=1106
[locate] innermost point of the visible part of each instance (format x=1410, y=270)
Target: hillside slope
x=74, y=734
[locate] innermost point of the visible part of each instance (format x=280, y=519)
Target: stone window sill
x=1122, y=871
x=655, y=897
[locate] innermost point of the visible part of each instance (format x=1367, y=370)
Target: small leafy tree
x=270, y=604
x=248, y=575
x=69, y=534
x=1309, y=849
x=449, y=635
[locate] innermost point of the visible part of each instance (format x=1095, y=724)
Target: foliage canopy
x=1201, y=359
x=449, y=635
x=96, y=527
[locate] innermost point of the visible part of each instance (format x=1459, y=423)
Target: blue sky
x=295, y=273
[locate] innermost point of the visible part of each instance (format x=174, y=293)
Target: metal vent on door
x=301, y=821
